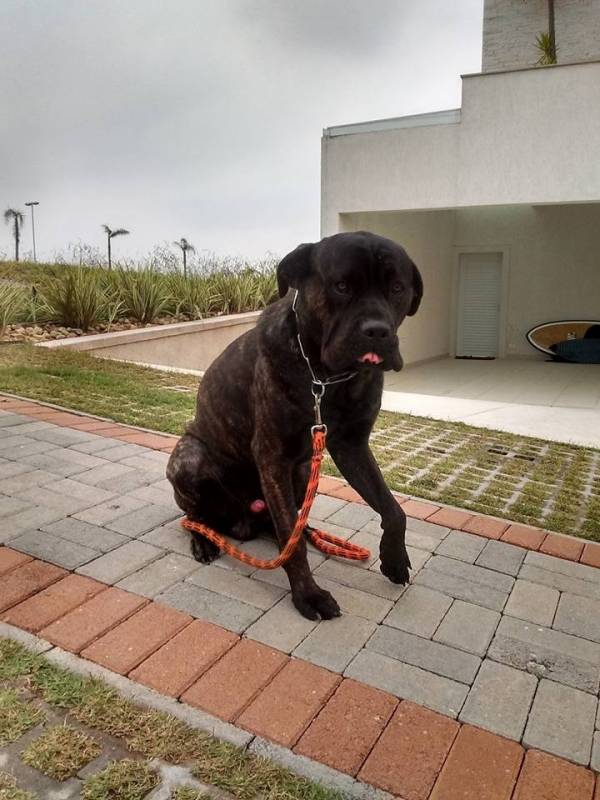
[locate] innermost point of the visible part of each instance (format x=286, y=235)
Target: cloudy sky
x=203, y=118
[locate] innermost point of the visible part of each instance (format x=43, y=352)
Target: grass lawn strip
x=536, y=482
x=125, y=780
x=60, y=752
x=16, y=716
x=10, y=791
x=149, y=733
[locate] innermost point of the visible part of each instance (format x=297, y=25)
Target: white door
x=479, y=293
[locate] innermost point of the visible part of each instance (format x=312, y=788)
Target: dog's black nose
x=375, y=329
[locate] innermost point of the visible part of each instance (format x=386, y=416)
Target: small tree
x=546, y=42
x=185, y=247
x=12, y=215
x=110, y=234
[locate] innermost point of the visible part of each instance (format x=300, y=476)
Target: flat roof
x=448, y=117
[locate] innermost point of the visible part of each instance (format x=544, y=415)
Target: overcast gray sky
x=203, y=118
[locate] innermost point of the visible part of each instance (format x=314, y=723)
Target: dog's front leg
x=276, y=477
x=357, y=464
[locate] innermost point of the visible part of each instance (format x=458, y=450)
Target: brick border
x=342, y=731
x=561, y=545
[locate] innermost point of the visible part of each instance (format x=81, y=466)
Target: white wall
x=553, y=255
x=524, y=137
x=510, y=28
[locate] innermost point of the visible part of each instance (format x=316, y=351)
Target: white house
x=498, y=202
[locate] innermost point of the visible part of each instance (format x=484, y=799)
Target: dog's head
x=355, y=289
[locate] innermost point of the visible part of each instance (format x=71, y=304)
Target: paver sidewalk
x=492, y=648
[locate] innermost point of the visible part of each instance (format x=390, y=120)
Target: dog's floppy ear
x=417, y=284
x=293, y=268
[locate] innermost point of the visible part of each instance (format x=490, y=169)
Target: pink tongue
x=371, y=358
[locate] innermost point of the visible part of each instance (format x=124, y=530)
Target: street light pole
x=31, y=205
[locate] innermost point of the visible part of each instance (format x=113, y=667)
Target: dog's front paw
x=395, y=563
x=315, y=603
x=203, y=550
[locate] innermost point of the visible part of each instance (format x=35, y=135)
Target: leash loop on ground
x=326, y=542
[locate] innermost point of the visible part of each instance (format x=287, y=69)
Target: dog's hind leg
x=201, y=494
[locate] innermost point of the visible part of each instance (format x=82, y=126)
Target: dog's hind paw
x=316, y=603
x=396, y=569
x=203, y=550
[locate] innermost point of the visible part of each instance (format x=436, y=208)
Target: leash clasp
x=318, y=390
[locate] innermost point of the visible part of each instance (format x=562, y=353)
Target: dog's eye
x=342, y=287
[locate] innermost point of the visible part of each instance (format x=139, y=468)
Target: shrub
x=144, y=293
x=193, y=295
x=78, y=300
x=13, y=304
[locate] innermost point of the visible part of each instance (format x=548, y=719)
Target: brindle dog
x=251, y=438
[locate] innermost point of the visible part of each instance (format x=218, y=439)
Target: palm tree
x=16, y=217
x=185, y=247
x=110, y=235
x=546, y=41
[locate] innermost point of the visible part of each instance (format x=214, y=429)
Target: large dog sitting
x=251, y=438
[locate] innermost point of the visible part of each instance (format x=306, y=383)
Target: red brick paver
x=29, y=578
x=133, y=640
x=348, y=727
x=235, y=679
x=591, y=555
x=409, y=756
x=481, y=766
x=289, y=702
x=184, y=658
x=53, y=602
x=419, y=509
x=328, y=485
x=524, y=536
x=152, y=440
x=87, y=622
x=545, y=777
x=562, y=547
x=450, y=518
x=485, y=526
x=347, y=493
x=9, y=559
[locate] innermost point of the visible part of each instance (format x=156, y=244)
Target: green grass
x=120, y=780
x=10, y=791
x=16, y=716
x=150, y=734
x=530, y=480
x=60, y=752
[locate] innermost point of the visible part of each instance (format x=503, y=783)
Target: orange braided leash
x=326, y=542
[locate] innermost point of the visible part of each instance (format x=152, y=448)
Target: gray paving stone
x=357, y=603
x=27, y=520
x=97, y=444
x=28, y=428
x=170, y=537
x=547, y=653
x=579, y=616
x=142, y=520
x=159, y=497
x=48, y=462
x=93, y=536
x=353, y=515
x=369, y=540
x=462, y=546
x=325, y=506
x=461, y=588
x=111, y=510
x=199, y=602
x=52, y=548
x=61, y=436
x=44, y=496
x=560, y=581
x=422, y=541
x=418, y=558
x=154, y=469
x=563, y=567
x=112, y=567
x=159, y=575
x=438, y=532
x=502, y=557
x=71, y=487
x=471, y=573
x=100, y=473
x=8, y=444
x=561, y=722
x=411, y=683
x=468, y=627
x=7, y=420
x=532, y=602
x=19, y=452
x=334, y=643
x=431, y=656
x=73, y=457
x=13, y=505
x=236, y=586
x=595, y=762
x=24, y=479
x=117, y=451
x=154, y=455
x=499, y=700
x=420, y=610
x=11, y=469
x=363, y=579
x=281, y=627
